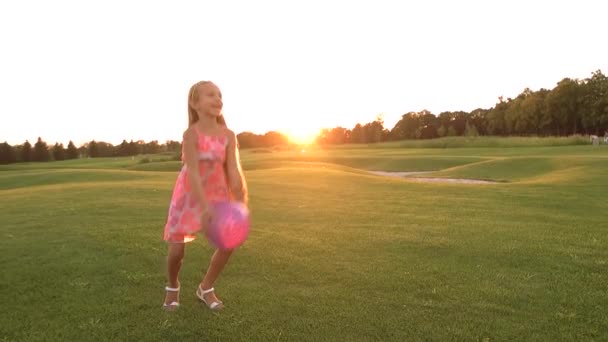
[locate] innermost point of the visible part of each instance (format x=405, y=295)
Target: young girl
x=211, y=172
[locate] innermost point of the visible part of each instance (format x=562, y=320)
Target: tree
x=386, y=135
x=72, y=151
x=334, y=136
x=339, y=135
x=58, y=152
x=513, y=123
x=532, y=112
x=7, y=154
x=92, y=149
x=152, y=147
x=247, y=140
x=83, y=150
x=452, y=132
x=444, y=120
x=271, y=139
x=525, y=113
x=470, y=130
x=479, y=119
x=496, y=118
x=26, y=152
x=429, y=125
x=133, y=148
x=373, y=130
x=41, y=151
x=123, y=149
x=460, y=121
x=596, y=101
x=563, y=106
x=454, y=120
x=407, y=127
x=105, y=149
x=442, y=131
x=173, y=146
x=357, y=135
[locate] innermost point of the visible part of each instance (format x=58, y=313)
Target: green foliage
x=72, y=151
x=442, y=131
x=470, y=130
x=270, y=139
x=92, y=149
x=451, y=132
x=573, y=107
x=59, y=152
x=7, y=154
x=41, y=151
x=596, y=100
x=358, y=135
x=26, y=152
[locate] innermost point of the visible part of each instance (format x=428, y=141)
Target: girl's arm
x=191, y=159
x=234, y=171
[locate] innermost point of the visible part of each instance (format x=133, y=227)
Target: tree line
x=42, y=152
x=572, y=107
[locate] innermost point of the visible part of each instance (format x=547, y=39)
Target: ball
x=229, y=226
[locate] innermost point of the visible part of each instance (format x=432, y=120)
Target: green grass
x=335, y=253
x=486, y=141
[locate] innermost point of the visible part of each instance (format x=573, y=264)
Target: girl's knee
x=225, y=252
x=176, y=251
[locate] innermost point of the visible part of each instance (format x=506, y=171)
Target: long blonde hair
x=193, y=97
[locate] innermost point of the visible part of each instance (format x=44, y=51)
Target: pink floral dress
x=184, y=218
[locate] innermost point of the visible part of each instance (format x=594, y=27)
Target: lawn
x=335, y=253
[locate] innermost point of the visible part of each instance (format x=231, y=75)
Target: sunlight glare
x=302, y=135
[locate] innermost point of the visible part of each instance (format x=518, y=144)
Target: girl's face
x=209, y=101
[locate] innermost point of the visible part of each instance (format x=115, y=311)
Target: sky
x=112, y=70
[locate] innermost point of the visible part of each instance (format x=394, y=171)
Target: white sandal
x=215, y=305
x=173, y=305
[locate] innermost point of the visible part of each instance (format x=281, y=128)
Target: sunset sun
x=302, y=135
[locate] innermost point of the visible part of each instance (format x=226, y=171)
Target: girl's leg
x=218, y=261
x=175, y=258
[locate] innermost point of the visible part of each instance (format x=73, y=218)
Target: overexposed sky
x=121, y=69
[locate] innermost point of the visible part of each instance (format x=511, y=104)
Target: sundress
x=184, y=217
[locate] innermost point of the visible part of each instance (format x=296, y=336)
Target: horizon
x=129, y=81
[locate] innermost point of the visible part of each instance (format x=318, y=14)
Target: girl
x=211, y=172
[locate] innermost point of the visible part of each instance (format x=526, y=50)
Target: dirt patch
x=451, y=180
x=398, y=174
x=409, y=175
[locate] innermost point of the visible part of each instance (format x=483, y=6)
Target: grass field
x=335, y=253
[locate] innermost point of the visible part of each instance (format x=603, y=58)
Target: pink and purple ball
x=230, y=226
